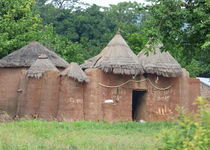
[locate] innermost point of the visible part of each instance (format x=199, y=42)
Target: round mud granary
x=71, y=94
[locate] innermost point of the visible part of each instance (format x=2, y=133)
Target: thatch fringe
x=160, y=63
x=28, y=54
x=41, y=65
x=74, y=71
x=116, y=57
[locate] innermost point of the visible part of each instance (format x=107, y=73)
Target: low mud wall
x=54, y=97
x=101, y=88
x=9, y=86
x=70, y=100
x=48, y=108
x=205, y=90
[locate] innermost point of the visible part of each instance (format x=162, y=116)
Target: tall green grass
x=40, y=135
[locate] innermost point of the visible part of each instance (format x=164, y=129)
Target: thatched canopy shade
x=116, y=57
x=40, y=66
x=160, y=63
x=74, y=71
x=28, y=54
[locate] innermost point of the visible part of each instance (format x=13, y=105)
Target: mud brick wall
x=193, y=92
x=49, y=96
x=205, y=90
x=9, y=85
x=95, y=95
x=161, y=102
x=70, y=100
x=108, y=112
x=52, y=96
x=122, y=96
x=30, y=100
x=189, y=90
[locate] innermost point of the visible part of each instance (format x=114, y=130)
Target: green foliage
x=183, y=27
x=71, y=52
x=197, y=67
x=136, y=41
x=18, y=24
x=191, y=132
x=78, y=31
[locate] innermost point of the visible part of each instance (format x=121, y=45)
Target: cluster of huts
x=115, y=85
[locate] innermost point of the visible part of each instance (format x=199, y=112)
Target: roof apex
x=160, y=63
x=116, y=57
x=27, y=55
x=40, y=66
x=74, y=71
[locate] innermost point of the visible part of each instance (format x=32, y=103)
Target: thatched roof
x=40, y=66
x=74, y=71
x=160, y=63
x=28, y=54
x=116, y=57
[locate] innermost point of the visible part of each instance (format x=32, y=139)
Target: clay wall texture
x=9, y=85
x=31, y=97
x=205, y=91
x=48, y=108
x=70, y=100
x=62, y=98
x=39, y=97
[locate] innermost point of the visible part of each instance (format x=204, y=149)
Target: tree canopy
x=78, y=31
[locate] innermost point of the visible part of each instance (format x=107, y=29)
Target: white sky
x=107, y=2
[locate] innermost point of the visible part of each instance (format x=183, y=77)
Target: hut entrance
x=138, y=105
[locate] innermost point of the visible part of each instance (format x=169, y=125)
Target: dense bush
x=191, y=132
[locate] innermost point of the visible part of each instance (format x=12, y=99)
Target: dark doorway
x=138, y=105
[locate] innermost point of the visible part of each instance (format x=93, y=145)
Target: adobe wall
x=49, y=101
x=205, y=90
x=95, y=95
x=159, y=104
x=30, y=98
x=189, y=90
x=165, y=95
x=54, y=96
x=70, y=100
x=162, y=98
x=9, y=85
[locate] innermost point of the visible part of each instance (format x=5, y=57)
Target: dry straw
x=74, y=71
x=160, y=63
x=28, y=54
x=41, y=65
x=116, y=57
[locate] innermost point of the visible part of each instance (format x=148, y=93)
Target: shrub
x=191, y=131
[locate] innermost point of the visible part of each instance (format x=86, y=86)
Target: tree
x=183, y=27
x=18, y=25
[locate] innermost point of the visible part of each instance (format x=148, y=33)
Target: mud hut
x=13, y=68
x=41, y=90
x=160, y=63
x=167, y=86
x=149, y=89
x=122, y=87
x=71, y=98
x=115, y=65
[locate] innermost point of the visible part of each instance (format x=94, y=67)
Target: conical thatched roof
x=116, y=57
x=28, y=54
x=40, y=66
x=160, y=63
x=74, y=71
